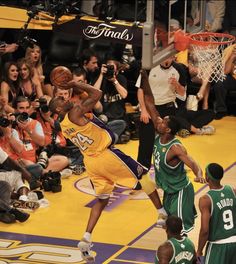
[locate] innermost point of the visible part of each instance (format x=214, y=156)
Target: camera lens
x=22, y=117
x=110, y=71
x=4, y=122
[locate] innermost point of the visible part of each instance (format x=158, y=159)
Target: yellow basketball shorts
x=112, y=167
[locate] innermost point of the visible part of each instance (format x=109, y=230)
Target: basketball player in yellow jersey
x=105, y=165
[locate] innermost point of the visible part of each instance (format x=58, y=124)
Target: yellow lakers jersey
x=91, y=138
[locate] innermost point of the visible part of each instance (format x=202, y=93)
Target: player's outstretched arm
x=149, y=98
x=180, y=152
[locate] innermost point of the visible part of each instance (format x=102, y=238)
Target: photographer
x=114, y=88
x=9, y=138
x=49, y=158
x=8, y=214
x=30, y=130
x=12, y=145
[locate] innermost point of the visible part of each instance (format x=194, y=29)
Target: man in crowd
x=7, y=213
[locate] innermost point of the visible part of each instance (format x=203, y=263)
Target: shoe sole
x=88, y=259
x=85, y=252
x=30, y=205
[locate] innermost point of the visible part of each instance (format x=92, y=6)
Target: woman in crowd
x=28, y=86
x=34, y=57
x=9, y=85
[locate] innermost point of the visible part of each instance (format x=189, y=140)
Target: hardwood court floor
x=126, y=232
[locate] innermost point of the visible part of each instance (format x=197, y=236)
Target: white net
x=207, y=50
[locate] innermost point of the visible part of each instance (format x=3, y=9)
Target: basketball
x=60, y=76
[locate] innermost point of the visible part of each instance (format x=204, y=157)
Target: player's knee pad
x=147, y=184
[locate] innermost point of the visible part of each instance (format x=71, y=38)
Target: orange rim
x=199, y=39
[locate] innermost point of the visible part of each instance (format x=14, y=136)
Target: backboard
x=164, y=17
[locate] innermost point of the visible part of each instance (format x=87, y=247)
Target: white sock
x=87, y=236
x=162, y=211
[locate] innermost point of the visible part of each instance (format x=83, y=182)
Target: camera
x=26, y=42
x=51, y=181
x=4, y=122
x=43, y=105
x=3, y=44
x=21, y=117
x=110, y=71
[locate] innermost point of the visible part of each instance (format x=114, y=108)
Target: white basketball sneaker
x=85, y=249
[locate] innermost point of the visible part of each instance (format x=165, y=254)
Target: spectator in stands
x=28, y=86
x=9, y=85
x=195, y=85
x=193, y=121
x=60, y=92
x=229, y=22
x=214, y=15
x=221, y=89
x=89, y=62
x=34, y=57
x=79, y=75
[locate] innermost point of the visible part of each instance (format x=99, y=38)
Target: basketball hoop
x=207, y=51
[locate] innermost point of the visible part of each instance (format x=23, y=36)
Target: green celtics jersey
x=170, y=179
x=183, y=251
x=223, y=213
